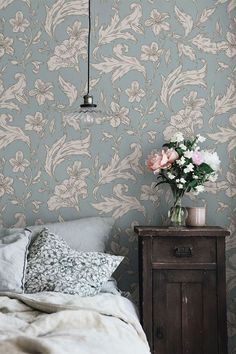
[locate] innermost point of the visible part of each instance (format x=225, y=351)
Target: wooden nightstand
x=182, y=289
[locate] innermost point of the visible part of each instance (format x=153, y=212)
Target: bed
x=60, y=322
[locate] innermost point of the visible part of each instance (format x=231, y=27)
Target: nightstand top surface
x=206, y=231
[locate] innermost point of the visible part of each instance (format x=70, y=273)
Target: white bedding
x=55, y=323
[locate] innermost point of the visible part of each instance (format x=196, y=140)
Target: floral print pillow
x=54, y=266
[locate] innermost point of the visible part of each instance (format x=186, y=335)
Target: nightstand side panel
x=146, y=291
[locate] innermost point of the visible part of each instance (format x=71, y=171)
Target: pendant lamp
x=88, y=112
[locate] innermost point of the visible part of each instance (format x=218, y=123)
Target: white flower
x=151, y=52
x=180, y=186
x=212, y=159
x=66, y=54
x=19, y=23
x=195, y=177
x=157, y=22
x=19, y=163
x=77, y=172
x=66, y=50
x=36, y=122
x=177, y=180
x=183, y=121
x=68, y=193
x=192, y=103
x=183, y=147
x=76, y=32
x=189, y=168
x=178, y=137
x=119, y=115
x=135, y=93
x=200, y=138
x=213, y=177
x=170, y=176
x=199, y=189
x=182, y=180
x=188, y=154
x=42, y=91
x=181, y=161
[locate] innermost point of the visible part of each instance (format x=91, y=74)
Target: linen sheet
x=55, y=323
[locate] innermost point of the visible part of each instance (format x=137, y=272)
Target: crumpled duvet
x=55, y=323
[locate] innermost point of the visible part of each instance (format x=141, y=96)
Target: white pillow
x=54, y=266
x=13, y=256
x=85, y=234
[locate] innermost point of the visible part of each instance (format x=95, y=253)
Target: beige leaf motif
x=120, y=204
x=119, y=29
x=9, y=134
x=120, y=66
x=178, y=79
x=5, y=3
x=225, y=135
x=16, y=92
x=206, y=45
x=62, y=150
x=226, y=102
x=206, y=13
x=62, y=8
x=120, y=168
x=187, y=51
x=69, y=89
x=231, y=6
x=185, y=20
x=228, y=186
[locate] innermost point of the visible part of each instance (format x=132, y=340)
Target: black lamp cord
x=89, y=35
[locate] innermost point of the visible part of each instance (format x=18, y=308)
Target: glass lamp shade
x=88, y=115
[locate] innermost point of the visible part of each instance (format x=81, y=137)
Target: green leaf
x=193, y=184
x=204, y=167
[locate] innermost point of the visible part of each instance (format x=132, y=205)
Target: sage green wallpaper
x=158, y=66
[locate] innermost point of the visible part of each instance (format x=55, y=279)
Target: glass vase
x=177, y=214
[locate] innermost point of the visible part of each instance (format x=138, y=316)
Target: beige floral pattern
x=42, y=91
x=19, y=164
x=5, y=185
x=157, y=67
x=157, y=22
x=119, y=115
x=151, y=52
x=36, y=122
x=6, y=45
x=135, y=93
x=19, y=23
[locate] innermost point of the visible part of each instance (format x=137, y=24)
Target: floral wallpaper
x=157, y=67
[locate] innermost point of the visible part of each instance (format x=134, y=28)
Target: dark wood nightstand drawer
x=184, y=250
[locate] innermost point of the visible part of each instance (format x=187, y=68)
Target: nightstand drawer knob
x=159, y=333
x=183, y=251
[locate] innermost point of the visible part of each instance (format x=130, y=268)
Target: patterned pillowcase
x=54, y=266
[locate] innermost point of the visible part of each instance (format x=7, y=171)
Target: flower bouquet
x=185, y=168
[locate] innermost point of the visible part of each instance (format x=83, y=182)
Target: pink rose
x=161, y=160
x=197, y=158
